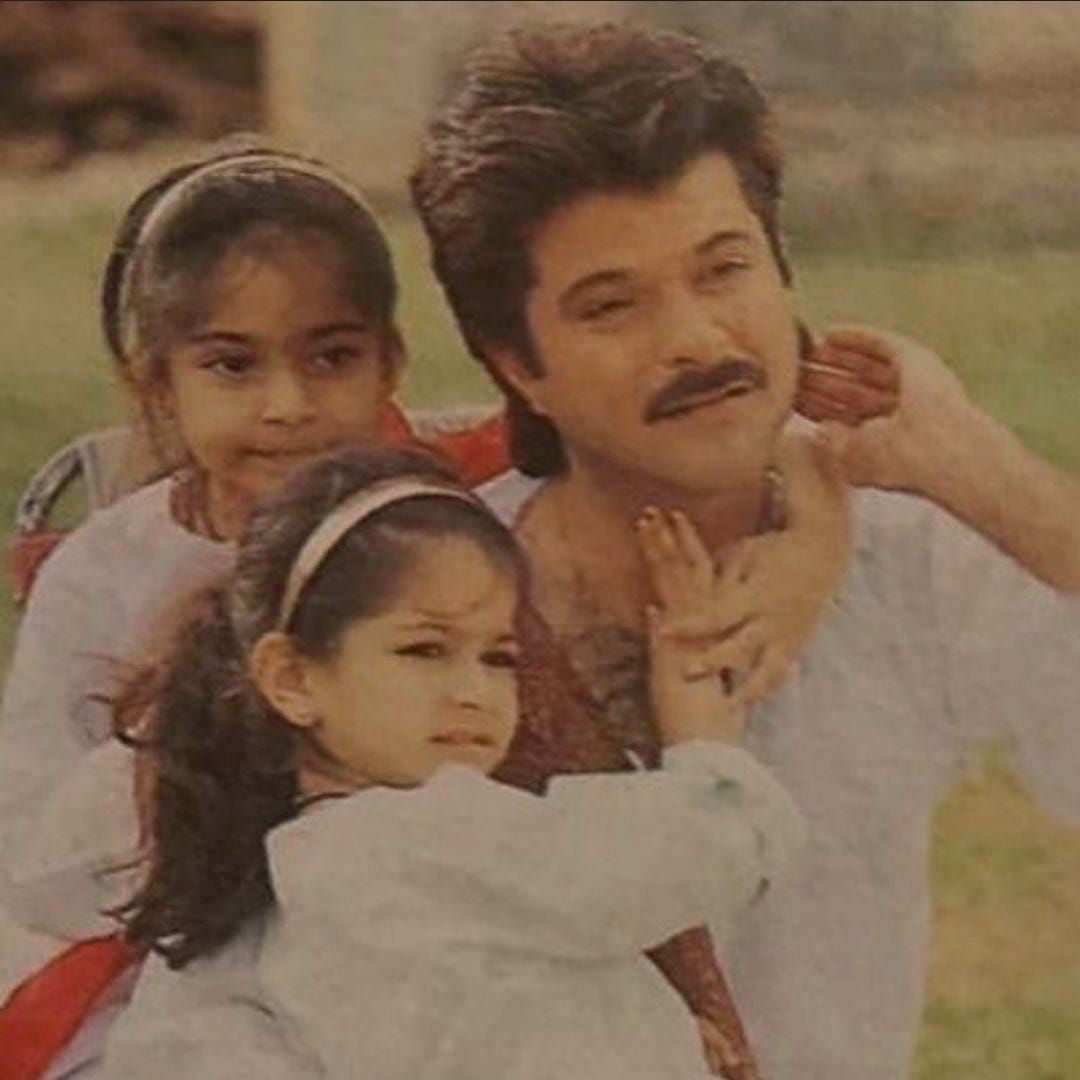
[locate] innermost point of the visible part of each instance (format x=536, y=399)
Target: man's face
x=664, y=330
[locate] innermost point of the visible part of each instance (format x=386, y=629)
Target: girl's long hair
x=216, y=763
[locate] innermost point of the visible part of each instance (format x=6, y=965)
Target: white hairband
x=330, y=531
x=164, y=207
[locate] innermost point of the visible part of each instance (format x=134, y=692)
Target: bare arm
x=939, y=444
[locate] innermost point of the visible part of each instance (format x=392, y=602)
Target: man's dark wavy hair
x=545, y=115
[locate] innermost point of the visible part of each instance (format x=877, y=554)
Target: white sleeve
x=1013, y=661
x=603, y=865
x=72, y=859
x=52, y=719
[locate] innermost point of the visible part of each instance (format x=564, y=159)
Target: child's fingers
x=860, y=400
x=733, y=657
x=697, y=558
x=774, y=666
x=874, y=361
x=711, y=624
x=861, y=367
x=660, y=553
x=819, y=408
x=877, y=344
x=854, y=367
x=737, y=566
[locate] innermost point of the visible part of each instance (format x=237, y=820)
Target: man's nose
x=287, y=399
x=690, y=329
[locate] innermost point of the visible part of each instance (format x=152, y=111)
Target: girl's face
x=428, y=680
x=282, y=367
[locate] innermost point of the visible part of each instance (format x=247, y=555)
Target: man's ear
x=282, y=675
x=515, y=373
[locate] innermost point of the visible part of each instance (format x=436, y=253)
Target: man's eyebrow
x=722, y=239
x=616, y=276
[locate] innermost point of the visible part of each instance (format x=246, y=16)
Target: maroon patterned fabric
x=563, y=730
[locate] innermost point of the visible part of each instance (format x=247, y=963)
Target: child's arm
x=466, y=875
x=602, y=866
x=939, y=444
x=692, y=697
x=753, y=618
x=64, y=800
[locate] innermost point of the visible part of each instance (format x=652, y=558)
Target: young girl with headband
x=249, y=306
x=320, y=736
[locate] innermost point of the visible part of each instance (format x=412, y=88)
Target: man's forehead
x=610, y=231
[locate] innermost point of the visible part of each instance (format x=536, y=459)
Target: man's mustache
x=694, y=382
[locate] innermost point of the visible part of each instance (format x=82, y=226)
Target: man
x=602, y=207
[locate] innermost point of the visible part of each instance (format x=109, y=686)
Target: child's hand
x=693, y=678
x=852, y=376
x=748, y=625
x=891, y=409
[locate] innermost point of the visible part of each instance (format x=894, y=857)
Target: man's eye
x=606, y=310
x=722, y=270
x=502, y=658
x=422, y=650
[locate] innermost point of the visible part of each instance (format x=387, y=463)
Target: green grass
x=1004, y=993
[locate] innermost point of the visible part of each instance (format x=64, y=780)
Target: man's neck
x=613, y=502
x=579, y=533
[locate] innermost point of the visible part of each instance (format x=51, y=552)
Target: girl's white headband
x=330, y=531
x=241, y=163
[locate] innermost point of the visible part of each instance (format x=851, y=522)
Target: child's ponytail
x=222, y=774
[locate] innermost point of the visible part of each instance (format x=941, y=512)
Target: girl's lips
x=462, y=737
x=286, y=454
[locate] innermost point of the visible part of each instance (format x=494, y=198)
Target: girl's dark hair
x=157, y=279
x=221, y=760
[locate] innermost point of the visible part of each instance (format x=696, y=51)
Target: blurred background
x=933, y=188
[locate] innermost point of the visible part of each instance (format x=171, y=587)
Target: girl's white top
x=66, y=810
x=467, y=929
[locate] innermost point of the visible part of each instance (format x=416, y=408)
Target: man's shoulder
x=891, y=517
x=908, y=527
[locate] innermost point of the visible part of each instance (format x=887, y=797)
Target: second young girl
x=346, y=693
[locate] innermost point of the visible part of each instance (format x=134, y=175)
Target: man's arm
x=939, y=444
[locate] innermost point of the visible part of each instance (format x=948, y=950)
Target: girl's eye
x=501, y=658
x=336, y=357
x=422, y=650
x=229, y=365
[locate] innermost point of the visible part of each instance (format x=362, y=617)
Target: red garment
x=42, y=1014
x=478, y=453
